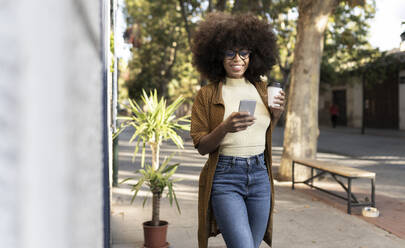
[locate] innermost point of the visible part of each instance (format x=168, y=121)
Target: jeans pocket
x=262, y=163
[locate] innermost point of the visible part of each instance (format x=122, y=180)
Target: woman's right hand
x=238, y=121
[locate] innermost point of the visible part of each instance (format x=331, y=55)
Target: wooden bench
x=336, y=170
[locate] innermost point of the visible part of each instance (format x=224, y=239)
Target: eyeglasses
x=243, y=54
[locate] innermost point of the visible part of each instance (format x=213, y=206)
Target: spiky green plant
x=154, y=123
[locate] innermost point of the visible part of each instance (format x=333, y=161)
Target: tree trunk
x=244, y=6
x=209, y=6
x=301, y=130
x=286, y=73
x=156, y=208
x=221, y=5
x=184, y=15
x=155, y=147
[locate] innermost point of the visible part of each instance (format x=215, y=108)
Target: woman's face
x=236, y=62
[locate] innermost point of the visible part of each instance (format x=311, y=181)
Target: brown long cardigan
x=207, y=113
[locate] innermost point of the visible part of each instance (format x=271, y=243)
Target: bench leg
x=373, y=192
x=292, y=174
x=312, y=180
x=349, y=195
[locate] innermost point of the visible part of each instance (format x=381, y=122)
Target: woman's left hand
x=278, y=111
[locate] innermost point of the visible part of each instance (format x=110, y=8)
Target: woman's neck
x=235, y=81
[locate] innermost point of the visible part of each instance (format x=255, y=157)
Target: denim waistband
x=225, y=157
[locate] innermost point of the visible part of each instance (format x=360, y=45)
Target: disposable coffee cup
x=273, y=90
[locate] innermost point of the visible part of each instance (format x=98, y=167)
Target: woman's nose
x=237, y=57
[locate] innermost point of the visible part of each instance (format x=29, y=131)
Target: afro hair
x=221, y=31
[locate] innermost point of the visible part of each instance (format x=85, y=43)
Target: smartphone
x=247, y=106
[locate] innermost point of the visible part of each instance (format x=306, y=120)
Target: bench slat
x=335, y=168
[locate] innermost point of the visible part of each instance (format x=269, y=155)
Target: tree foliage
x=346, y=46
x=163, y=45
x=162, y=57
x=381, y=68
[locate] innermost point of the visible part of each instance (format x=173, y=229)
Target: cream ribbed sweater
x=251, y=141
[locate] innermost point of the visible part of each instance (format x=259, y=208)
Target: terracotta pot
x=155, y=236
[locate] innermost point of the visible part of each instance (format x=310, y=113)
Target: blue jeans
x=240, y=200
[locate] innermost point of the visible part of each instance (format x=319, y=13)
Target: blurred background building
x=367, y=103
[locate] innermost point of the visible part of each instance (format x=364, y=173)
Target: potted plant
x=154, y=123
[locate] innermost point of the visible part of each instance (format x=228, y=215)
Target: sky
x=121, y=46
x=385, y=28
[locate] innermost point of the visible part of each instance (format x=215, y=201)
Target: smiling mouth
x=236, y=67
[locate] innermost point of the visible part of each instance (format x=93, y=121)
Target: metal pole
x=373, y=192
x=115, y=97
x=312, y=175
x=363, y=122
x=292, y=176
x=105, y=28
x=115, y=72
x=349, y=195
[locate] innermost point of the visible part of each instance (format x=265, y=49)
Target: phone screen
x=247, y=106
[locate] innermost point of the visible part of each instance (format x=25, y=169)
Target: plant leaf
x=126, y=179
x=177, y=203
x=143, y=154
x=170, y=193
x=165, y=162
x=171, y=169
x=144, y=201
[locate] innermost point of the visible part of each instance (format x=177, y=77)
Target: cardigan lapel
x=217, y=111
x=218, y=94
x=263, y=94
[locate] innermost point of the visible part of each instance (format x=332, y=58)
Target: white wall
x=401, y=92
x=51, y=151
x=354, y=103
x=325, y=99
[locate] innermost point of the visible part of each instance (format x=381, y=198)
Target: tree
x=346, y=42
x=301, y=131
x=163, y=45
x=285, y=25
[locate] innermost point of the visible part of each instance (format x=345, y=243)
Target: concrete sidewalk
x=300, y=220
x=381, y=151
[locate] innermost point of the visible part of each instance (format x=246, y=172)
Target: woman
x=236, y=186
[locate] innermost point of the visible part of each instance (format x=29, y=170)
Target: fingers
x=281, y=96
x=248, y=121
x=245, y=121
x=241, y=114
x=280, y=100
x=281, y=109
x=240, y=126
x=240, y=121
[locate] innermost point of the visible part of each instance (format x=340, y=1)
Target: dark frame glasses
x=243, y=54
